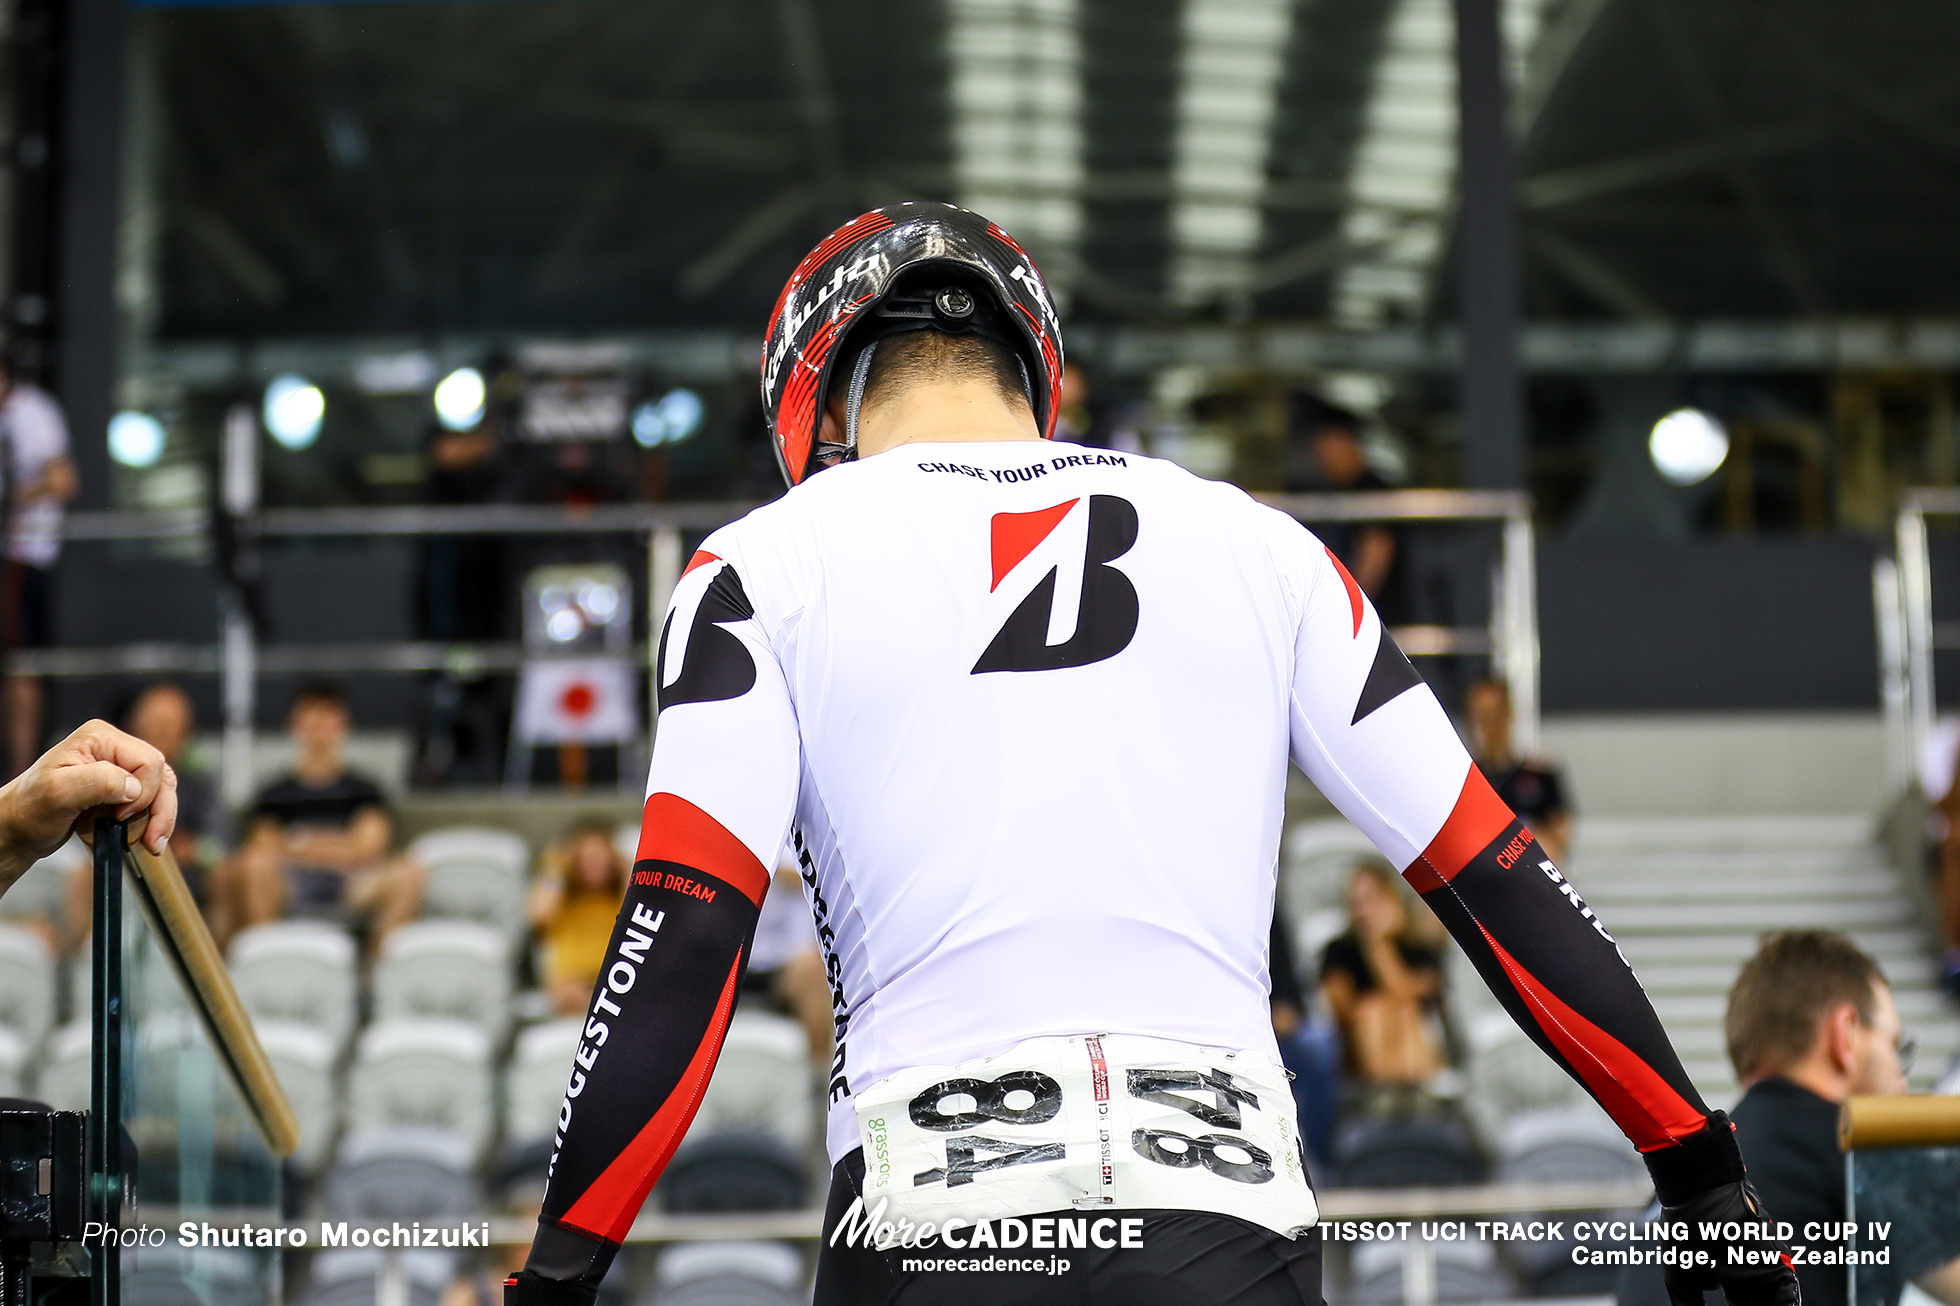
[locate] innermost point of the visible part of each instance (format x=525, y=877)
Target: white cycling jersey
x=1030, y=708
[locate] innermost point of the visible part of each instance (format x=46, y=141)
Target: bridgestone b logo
x=1106, y=615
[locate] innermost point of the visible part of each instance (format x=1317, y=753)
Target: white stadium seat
x=445, y=970
x=728, y=1274
x=13, y=1062
x=1571, y=1144
x=363, y=1277
x=425, y=1074
x=300, y=972
x=62, y=1078
x=475, y=873
x=1508, y=1075
x=1464, y=1271
x=27, y=974
x=303, y=1058
x=401, y=1174
x=534, y=1085
x=762, y=1082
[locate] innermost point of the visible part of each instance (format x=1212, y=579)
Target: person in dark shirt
x=1381, y=978
x=1810, y=1022
x=317, y=841
x=1371, y=551
x=1530, y=786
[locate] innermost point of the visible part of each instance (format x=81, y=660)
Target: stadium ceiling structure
x=594, y=166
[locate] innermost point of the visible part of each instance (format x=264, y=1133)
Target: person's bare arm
x=58, y=481
x=547, y=895
x=1338, y=988
x=362, y=843
x=1374, y=556
x=97, y=769
x=1395, y=976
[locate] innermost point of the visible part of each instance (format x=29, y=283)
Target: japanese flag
x=577, y=701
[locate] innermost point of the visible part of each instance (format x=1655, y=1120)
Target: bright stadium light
x=669, y=419
x=294, y=409
x=599, y=600
x=1687, y=446
x=459, y=399
x=135, y=439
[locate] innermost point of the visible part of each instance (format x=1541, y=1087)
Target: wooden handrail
x=1904, y=1121
x=167, y=901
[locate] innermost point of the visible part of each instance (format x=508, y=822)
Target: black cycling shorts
x=1187, y=1258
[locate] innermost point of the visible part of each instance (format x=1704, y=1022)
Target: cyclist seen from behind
x=1023, y=712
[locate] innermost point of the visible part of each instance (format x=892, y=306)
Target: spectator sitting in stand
x=1531, y=787
x=572, y=908
x=162, y=717
x=1382, y=978
x=317, y=842
x=784, y=964
x=1810, y=1022
x=1369, y=550
x=41, y=478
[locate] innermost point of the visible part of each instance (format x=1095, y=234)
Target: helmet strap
x=854, y=400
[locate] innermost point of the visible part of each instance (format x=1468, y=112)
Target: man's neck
x=1816, y=1077
x=972, y=412
x=319, y=770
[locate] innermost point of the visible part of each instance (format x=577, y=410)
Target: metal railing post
x=1894, y=691
x=238, y=648
x=1916, y=605
x=106, y=1014
x=663, y=574
x=1517, y=628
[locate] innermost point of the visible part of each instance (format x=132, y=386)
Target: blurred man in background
x=40, y=478
x=1810, y=1022
x=162, y=716
x=1369, y=550
x=317, y=841
x=1531, y=787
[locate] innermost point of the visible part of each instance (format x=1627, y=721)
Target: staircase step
x=1763, y=889
x=1719, y=917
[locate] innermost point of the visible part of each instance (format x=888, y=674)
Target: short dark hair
x=325, y=693
x=1312, y=415
x=1793, y=981
x=917, y=357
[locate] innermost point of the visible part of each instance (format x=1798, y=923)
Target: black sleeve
x=652, y=1033
x=723, y=785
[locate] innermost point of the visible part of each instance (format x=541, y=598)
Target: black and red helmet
x=897, y=269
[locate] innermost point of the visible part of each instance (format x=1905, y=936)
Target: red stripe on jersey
x=1354, y=591
x=1478, y=818
x=675, y=830
x=606, y=1209
x=1633, y=1093
x=701, y=558
x=1017, y=533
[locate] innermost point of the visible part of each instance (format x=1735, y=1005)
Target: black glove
x=564, y=1269
x=529, y=1288
x=1700, y=1182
